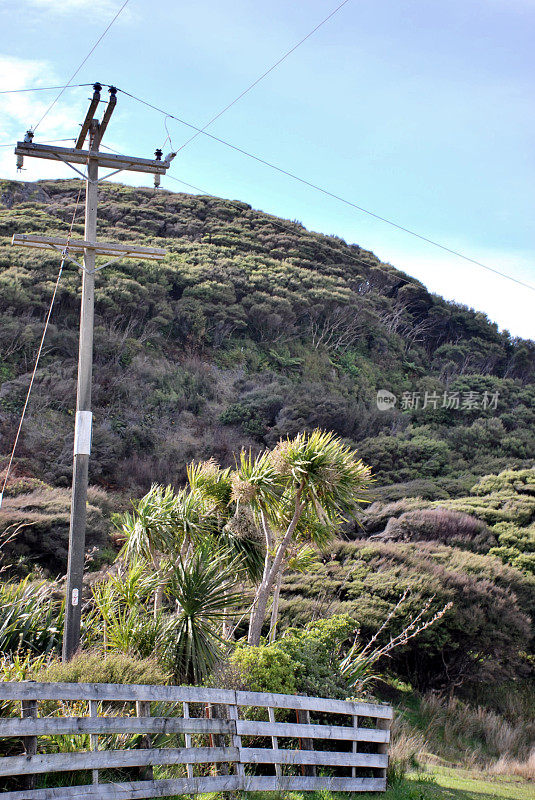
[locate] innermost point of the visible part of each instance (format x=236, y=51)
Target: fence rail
x=197, y=739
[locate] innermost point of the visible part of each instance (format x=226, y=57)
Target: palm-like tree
x=204, y=590
x=310, y=483
x=158, y=530
x=165, y=527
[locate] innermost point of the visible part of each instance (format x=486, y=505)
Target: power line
x=44, y=88
x=47, y=141
x=332, y=195
x=40, y=349
x=75, y=73
x=370, y=265
x=359, y=261
x=375, y=265
x=264, y=74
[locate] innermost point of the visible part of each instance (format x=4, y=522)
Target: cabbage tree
x=304, y=488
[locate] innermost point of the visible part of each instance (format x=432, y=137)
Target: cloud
x=97, y=9
x=504, y=302
x=69, y=6
x=19, y=112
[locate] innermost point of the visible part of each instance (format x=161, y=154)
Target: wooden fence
x=126, y=741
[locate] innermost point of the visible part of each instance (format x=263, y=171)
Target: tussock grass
x=511, y=766
x=498, y=741
x=406, y=751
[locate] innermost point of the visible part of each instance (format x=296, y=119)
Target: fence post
x=29, y=709
x=274, y=741
x=93, y=738
x=236, y=741
x=355, y=745
x=384, y=724
x=216, y=711
x=143, y=710
x=187, y=738
x=303, y=716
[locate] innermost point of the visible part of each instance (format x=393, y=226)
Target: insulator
x=157, y=181
x=20, y=162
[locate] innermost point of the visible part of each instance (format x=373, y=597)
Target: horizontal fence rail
x=126, y=741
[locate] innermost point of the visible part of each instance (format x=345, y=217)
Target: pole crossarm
x=106, y=160
x=80, y=246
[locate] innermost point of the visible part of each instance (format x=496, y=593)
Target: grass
x=490, y=737
x=459, y=784
x=440, y=784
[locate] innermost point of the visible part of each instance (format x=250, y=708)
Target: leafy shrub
x=304, y=661
x=516, y=546
x=98, y=667
x=315, y=650
x=265, y=668
x=440, y=525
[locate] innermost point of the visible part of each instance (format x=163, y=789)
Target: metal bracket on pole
x=60, y=158
x=112, y=261
x=105, y=178
x=64, y=253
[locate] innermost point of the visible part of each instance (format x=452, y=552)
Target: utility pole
x=90, y=248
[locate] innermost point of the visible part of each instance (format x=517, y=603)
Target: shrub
x=315, y=650
x=304, y=661
x=485, y=636
x=440, y=525
x=97, y=667
x=265, y=668
x=516, y=546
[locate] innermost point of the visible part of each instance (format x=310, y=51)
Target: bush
x=486, y=636
x=516, y=546
x=304, y=661
x=440, y=525
x=266, y=668
x=315, y=650
x=98, y=667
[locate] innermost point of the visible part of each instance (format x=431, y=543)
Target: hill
x=252, y=328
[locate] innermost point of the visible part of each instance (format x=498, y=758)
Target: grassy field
x=437, y=784
x=455, y=784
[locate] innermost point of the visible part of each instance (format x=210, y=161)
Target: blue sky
x=420, y=111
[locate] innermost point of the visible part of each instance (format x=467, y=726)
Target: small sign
x=82, y=433
x=74, y=598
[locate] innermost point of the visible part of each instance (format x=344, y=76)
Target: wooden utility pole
x=93, y=159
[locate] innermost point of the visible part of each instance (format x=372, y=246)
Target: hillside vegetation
x=250, y=331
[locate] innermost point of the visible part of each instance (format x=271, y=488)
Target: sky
x=422, y=112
